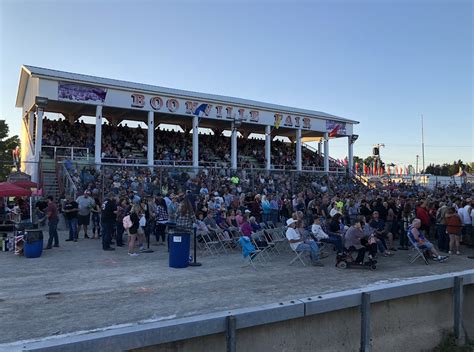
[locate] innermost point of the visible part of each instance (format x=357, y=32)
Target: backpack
x=127, y=222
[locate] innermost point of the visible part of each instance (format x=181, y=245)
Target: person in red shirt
x=52, y=214
x=424, y=216
x=454, y=230
x=246, y=228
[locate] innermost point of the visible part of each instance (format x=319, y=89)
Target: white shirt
x=464, y=215
x=291, y=234
x=318, y=232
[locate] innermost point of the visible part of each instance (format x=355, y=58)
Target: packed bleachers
x=126, y=144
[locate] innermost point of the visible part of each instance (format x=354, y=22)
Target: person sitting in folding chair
x=322, y=236
x=298, y=244
x=421, y=242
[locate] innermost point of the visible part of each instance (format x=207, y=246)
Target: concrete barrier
x=409, y=315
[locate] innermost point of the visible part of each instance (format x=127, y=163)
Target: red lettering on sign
x=172, y=105
x=254, y=116
x=306, y=122
x=156, y=103
x=208, y=109
x=297, y=121
x=138, y=100
x=288, y=121
x=191, y=107
x=229, y=111
x=241, y=113
x=219, y=111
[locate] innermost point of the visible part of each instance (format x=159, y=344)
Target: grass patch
x=448, y=344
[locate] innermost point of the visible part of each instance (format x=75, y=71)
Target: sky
x=383, y=63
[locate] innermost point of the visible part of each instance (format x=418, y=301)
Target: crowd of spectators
x=339, y=202
x=126, y=144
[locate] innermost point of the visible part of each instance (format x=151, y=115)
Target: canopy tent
x=11, y=190
x=26, y=184
x=462, y=173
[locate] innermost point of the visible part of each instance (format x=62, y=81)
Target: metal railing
x=67, y=184
x=72, y=153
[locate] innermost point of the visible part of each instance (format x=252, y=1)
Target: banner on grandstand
x=79, y=92
x=335, y=128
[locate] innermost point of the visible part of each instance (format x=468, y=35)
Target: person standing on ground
x=185, y=217
x=86, y=203
x=454, y=229
x=52, y=215
x=465, y=214
x=161, y=218
x=96, y=219
x=443, y=237
x=133, y=230
x=121, y=211
x=109, y=215
x=71, y=209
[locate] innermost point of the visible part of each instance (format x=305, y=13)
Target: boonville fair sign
x=180, y=106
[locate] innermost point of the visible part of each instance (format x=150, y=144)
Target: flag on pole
x=333, y=133
x=201, y=108
x=278, y=119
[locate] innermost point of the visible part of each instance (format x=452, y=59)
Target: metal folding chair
x=299, y=255
x=253, y=256
x=270, y=224
x=210, y=244
x=418, y=252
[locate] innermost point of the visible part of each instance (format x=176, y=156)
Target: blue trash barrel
x=179, y=250
x=33, y=243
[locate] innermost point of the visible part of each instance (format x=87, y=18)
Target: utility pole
x=422, y=144
x=416, y=170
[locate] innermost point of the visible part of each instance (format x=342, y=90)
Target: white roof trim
x=114, y=83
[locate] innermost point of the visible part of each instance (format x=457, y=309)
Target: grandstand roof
x=45, y=73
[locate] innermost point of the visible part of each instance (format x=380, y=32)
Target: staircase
x=50, y=179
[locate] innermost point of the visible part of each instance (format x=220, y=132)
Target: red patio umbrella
x=26, y=184
x=11, y=190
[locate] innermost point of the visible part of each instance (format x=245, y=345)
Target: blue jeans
x=381, y=244
x=443, y=238
x=96, y=223
x=72, y=228
x=53, y=232
x=311, y=247
x=119, y=233
x=336, y=241
x=266, y=217
x=107, y=229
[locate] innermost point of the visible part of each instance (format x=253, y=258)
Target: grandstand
x=245, y=134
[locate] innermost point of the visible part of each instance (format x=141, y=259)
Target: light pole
x=416, y=170
x=376, y=153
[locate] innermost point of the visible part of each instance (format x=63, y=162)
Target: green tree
x=7, y=144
